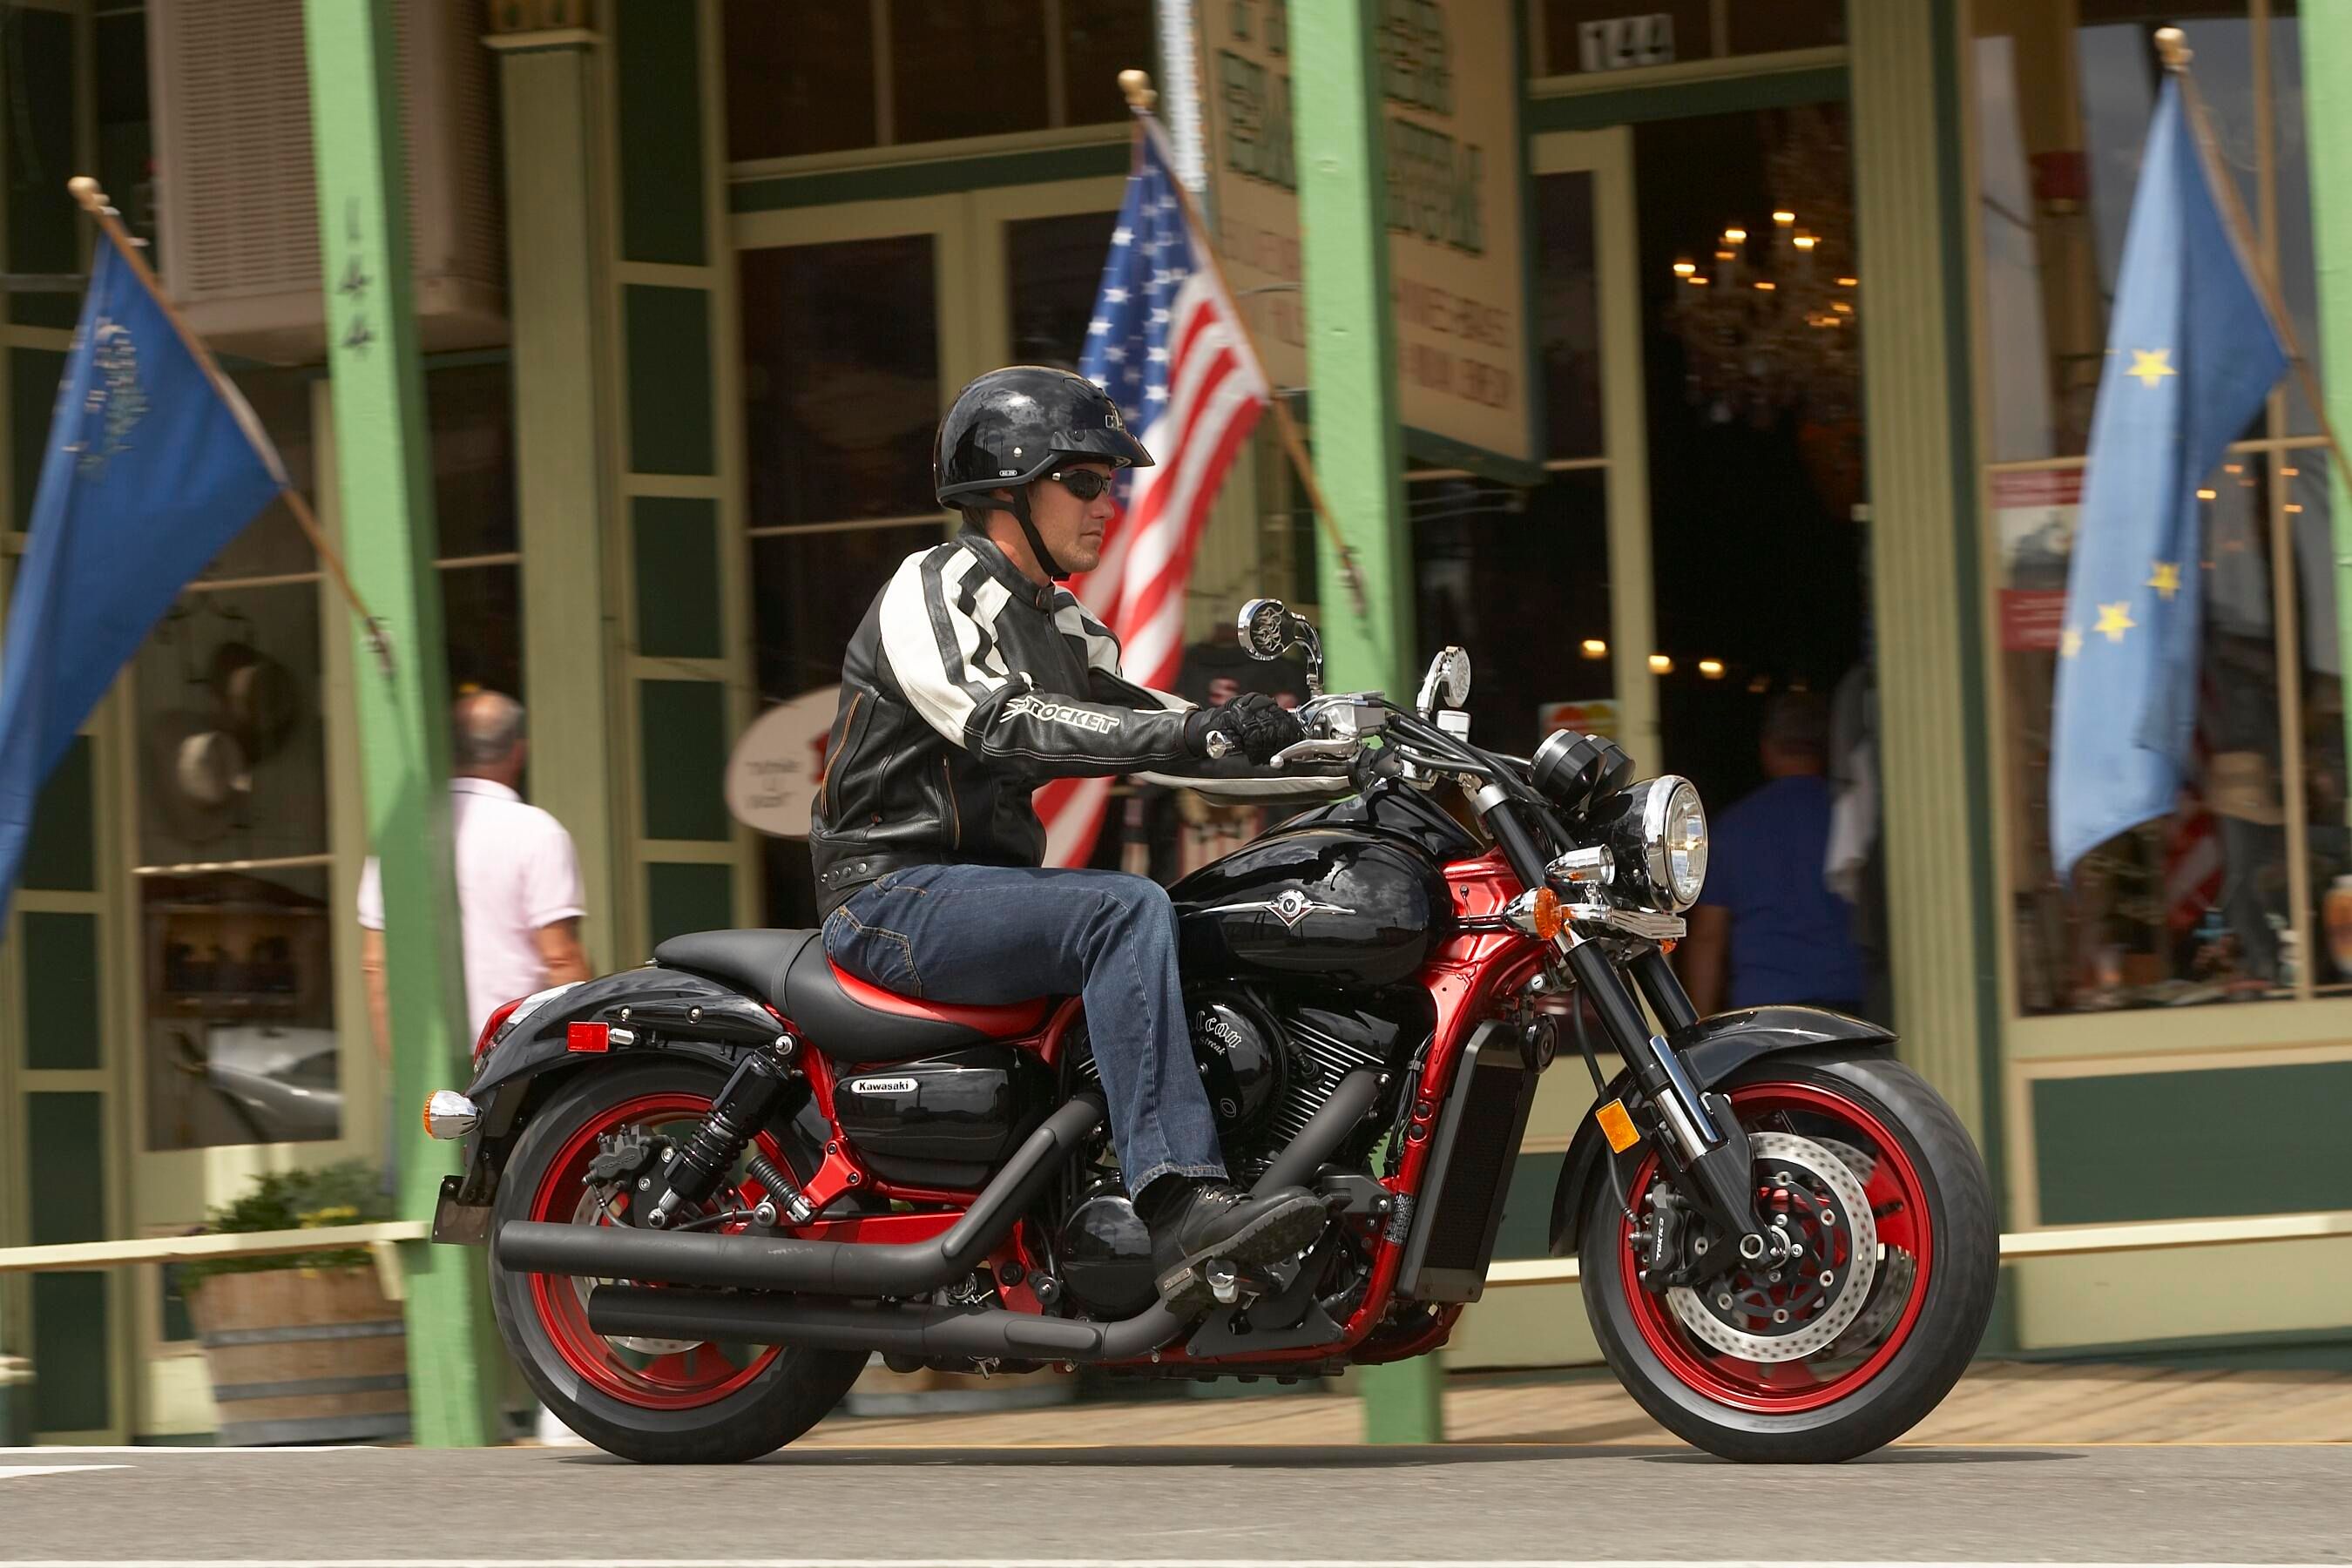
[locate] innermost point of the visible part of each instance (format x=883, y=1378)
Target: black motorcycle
x=713, y=1186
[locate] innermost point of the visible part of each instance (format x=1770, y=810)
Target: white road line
x=169, y=1451
x=18, y=1472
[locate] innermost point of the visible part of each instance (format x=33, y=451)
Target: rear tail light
x=489, y=1034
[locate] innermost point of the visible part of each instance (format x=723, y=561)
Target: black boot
x=1209, y=1219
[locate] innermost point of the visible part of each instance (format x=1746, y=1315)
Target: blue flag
x=152, y=467
x=2191, y=354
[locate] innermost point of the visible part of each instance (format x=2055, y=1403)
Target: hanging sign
x=1449, y=73
x=779, y=765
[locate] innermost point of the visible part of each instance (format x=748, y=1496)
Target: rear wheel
x=1846, y=1347
x=657, y=1401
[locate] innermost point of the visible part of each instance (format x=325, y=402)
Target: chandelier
x=1768, y=322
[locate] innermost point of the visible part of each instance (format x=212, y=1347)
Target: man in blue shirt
x=1767, y=921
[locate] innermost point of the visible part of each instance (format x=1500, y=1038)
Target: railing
x=380, y=1239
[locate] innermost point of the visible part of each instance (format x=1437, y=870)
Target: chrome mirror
x=1448, y=677
x=1264, y=627
x=1268, y=630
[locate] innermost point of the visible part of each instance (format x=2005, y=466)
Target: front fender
x=1713, y=1049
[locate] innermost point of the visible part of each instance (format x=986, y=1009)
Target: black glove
x=1252, y=723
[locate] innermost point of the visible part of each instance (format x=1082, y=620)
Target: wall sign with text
x=1458, y=264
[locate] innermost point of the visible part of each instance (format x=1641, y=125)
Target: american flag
x=1167, y=343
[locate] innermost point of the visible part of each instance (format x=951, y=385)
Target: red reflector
x=588, y=1037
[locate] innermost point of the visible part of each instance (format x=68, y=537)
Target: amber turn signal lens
x=1547, y=913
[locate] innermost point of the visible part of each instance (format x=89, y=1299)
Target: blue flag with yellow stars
x=2191, y=354
x=152, y=467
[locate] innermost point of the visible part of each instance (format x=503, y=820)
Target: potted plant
x=301, y=1347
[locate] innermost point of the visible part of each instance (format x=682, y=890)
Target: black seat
x=789, y=969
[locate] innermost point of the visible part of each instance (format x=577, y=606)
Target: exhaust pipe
x=945, y=1334
x=824, y=1268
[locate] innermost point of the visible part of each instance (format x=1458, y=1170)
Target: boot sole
x=1276, y=1235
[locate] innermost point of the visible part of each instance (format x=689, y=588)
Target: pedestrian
x=519, y=895
x=1767, y=921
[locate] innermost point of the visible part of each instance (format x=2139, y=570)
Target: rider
x=974, y=679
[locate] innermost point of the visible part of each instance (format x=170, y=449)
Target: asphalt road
x=907, y=1506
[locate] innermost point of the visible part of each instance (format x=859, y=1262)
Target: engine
x=1266, y=1075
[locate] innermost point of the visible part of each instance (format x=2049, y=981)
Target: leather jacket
x=965, y=688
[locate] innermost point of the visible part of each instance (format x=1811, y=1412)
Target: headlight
x=1660, y=833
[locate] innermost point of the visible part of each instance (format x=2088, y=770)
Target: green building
x=695, y=277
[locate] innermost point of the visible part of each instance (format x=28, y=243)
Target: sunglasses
x=1087, y=484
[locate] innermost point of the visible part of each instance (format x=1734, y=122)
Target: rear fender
x=1713, y=1049
x=643, y=1010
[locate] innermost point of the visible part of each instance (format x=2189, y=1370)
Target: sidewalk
x=1997, y=1402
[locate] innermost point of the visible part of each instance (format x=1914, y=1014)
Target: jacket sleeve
x=938, y=619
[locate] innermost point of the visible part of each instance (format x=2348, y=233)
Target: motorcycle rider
x=974, y=679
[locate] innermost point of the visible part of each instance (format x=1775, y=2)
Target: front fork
x=1702, y=1139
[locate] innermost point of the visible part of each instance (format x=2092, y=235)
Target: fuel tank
x=1325, y=903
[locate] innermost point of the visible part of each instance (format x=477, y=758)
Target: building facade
x=697, y=278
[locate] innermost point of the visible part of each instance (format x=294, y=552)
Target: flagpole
x=2172, y=46
x=1137, y=84
x=93, y=201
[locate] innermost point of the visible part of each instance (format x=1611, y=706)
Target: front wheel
x=656, y=1401
x=1851, y=1344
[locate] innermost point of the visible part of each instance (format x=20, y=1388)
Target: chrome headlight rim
x=1668, y=792
x=1641, y=843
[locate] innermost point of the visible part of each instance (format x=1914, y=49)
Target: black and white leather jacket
x=966, y=687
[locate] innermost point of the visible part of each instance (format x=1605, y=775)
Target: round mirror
x=1264, y=627
x=1454, y=676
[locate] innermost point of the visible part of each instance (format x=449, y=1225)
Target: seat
x=846, y=1018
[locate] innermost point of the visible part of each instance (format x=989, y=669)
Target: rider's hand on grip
x=1253, y=723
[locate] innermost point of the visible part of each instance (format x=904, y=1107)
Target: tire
x=706, y=1405
x=1913, y=1331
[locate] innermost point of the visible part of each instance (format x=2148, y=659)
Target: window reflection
x=241, y=1044
x=841, y=385
x=1054, y=266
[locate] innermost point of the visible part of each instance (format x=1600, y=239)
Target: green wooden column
x=552, y=119
x=1359, y=449
x=2327, y=108
x=1339, y=122
x=386, y=493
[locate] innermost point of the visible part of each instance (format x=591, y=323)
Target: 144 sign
x=1622, y=42
x=1457, y=268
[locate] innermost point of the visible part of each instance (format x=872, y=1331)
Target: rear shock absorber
x=742, y=1107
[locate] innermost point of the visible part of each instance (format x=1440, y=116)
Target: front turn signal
x=1547, y=915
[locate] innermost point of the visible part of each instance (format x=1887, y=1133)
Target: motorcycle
x=713, y=1186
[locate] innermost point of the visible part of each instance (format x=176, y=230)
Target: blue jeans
x=993, y=935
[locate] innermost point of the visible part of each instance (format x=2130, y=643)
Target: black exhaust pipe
x=944, y=1333
x=1325, y=1131
x=825, y=1267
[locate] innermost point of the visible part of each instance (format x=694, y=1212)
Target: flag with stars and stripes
x=2192, y=351
x=1169, y=346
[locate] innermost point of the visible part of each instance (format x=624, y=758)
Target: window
x=849, y=74
x=2225, y=900
x=238, y=929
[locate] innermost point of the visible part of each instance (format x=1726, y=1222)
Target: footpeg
x=1224, y=1281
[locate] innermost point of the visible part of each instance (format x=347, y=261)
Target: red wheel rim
x=684, y=1379
x=1898, y=1202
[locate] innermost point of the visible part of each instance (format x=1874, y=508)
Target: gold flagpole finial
x=2173, y=45
x=85, y=190
x=1137, y=84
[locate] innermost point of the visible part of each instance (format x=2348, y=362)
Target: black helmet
x=1011, y=426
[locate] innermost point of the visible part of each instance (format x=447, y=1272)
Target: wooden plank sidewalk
x=1997, y=1402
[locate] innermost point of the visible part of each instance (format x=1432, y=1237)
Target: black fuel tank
x=1320, y=903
